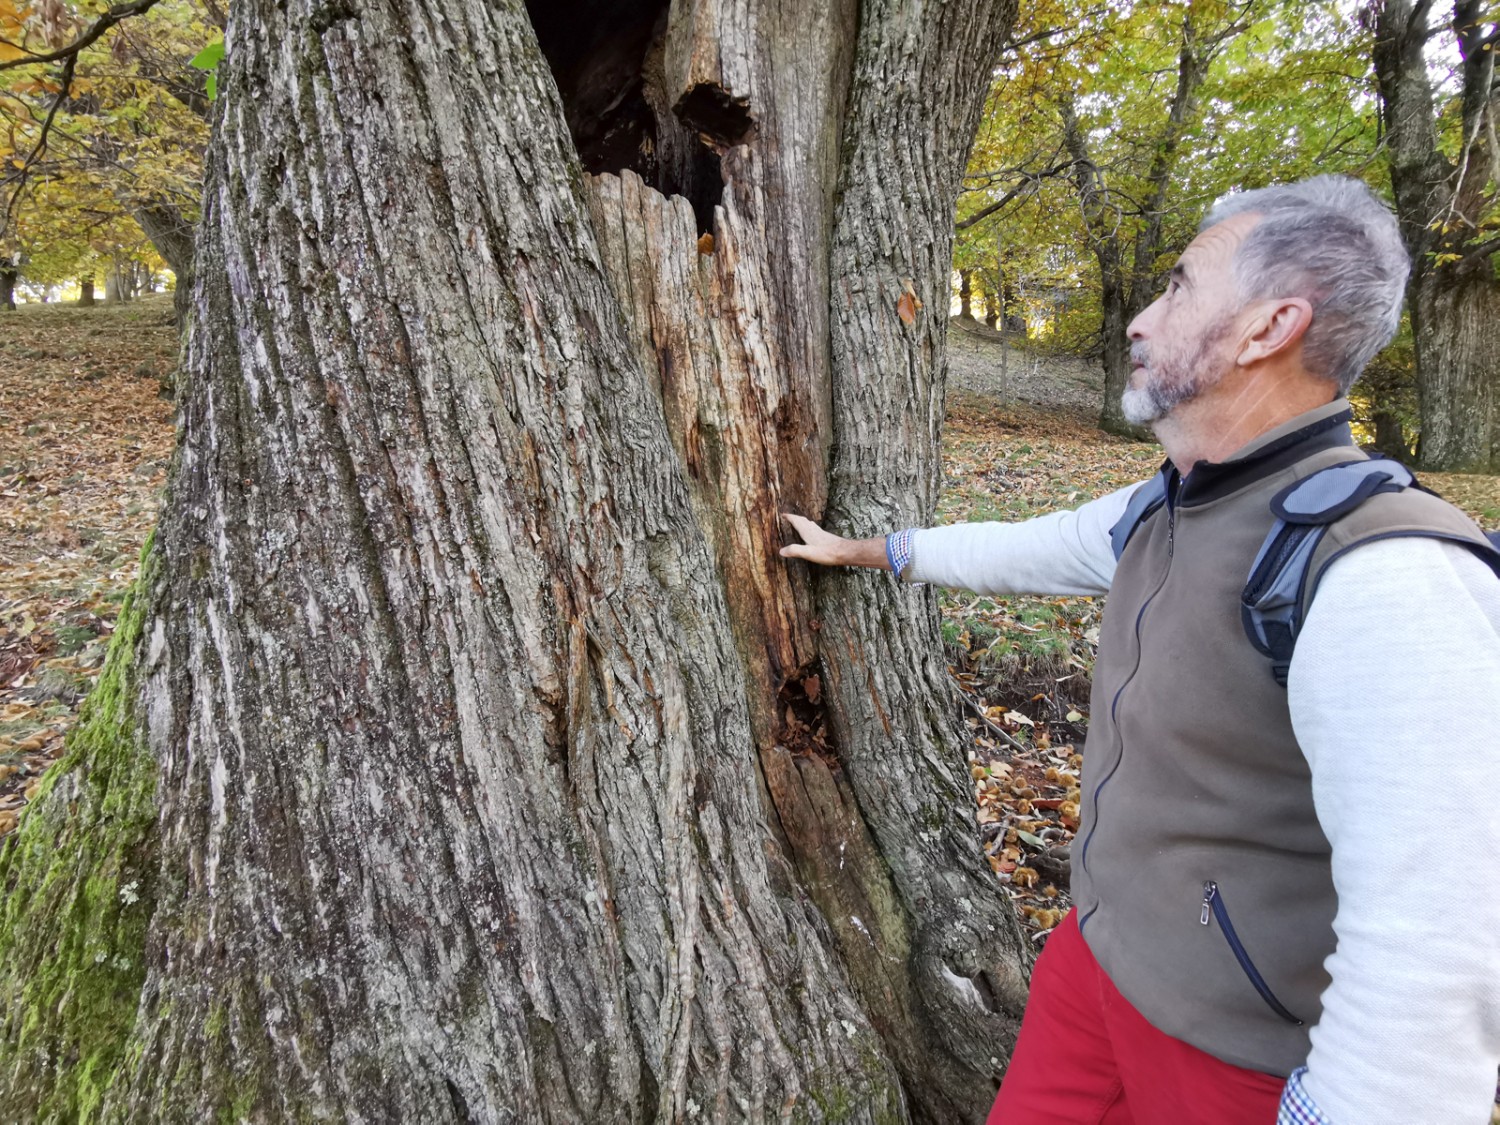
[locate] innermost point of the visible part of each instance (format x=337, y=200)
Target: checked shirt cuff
x=1297, y=1105
x=898, y=551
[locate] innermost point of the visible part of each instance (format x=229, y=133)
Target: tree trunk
x=1453, y=293
x=1390, y=436
x=966, y=294
x=504, y=772
x=1015, y=315
x=1456, y=330
x=114, y=284
x=86, y=292
x=992, y=308
x=8, y=278
x=172, y=235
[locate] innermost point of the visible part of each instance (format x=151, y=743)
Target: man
x=1287, y=898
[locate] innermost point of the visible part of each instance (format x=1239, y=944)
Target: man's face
x=1184, y=343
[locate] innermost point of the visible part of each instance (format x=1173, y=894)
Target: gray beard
x=1160, y=396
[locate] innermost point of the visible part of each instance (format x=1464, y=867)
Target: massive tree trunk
x=1442, y=205
x=500, y=769
x=9, y=275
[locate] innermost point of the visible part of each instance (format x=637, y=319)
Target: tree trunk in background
x=1390, y=437
x=992, y=310
x=8, y=278
x=86, y=292
x=504, y=773
x=966, y=294
x=1128, y=271
x=1015, y=314
x=1454, y=294
x=172, y=235
x=114, y=284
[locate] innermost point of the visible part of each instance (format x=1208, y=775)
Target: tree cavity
x=607, y=57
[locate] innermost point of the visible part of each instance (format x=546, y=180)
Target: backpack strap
x=1277, y=592
x=1144, y=502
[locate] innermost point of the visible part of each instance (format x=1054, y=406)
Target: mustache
x=1139, y=353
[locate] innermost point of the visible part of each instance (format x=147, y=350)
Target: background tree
x=1445, y=174
x=1121, y=127
x=102, y=117
x=467, y=752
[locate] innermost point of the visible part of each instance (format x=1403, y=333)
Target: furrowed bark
x=457, y=810
x=505, y=773
x=962, y=988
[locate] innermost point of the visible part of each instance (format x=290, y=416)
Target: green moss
x=77, y=877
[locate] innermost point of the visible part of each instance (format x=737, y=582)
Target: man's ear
x=1279, y=324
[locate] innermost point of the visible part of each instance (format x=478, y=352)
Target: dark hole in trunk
x=607, y=60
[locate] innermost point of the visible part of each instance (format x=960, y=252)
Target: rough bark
x=503, y=771
x=1454, y=291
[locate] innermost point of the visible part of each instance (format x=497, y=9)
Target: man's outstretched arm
x=1059, y=553
x=827, y=549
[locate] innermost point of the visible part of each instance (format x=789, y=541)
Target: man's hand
x=827, y=549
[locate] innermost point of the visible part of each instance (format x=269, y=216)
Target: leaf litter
x=87, y=439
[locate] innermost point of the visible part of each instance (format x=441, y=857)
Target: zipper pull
x=1210, y=892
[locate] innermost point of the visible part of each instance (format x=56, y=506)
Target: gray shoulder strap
x=1143, y=503
x=1274, y=599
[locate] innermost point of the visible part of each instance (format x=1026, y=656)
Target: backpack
x=1276, y=595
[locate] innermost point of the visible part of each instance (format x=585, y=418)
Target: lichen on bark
x=78, y=877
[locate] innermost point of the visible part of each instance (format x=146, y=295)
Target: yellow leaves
x=12, y=29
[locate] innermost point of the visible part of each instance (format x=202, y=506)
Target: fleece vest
x=1200, y=873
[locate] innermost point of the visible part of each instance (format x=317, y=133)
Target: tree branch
x=19, y=176
x=101, y=25
x=1030, y=180
x=1483, y=250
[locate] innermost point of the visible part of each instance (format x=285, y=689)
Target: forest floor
x=86, y=437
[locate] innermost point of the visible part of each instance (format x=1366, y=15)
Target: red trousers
x=1085, y=1056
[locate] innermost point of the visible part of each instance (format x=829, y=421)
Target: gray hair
x=1332, y=241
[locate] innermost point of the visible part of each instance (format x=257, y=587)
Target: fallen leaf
x=906, y=308
x=706, y=244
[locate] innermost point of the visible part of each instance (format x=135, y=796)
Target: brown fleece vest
x=1193, y=778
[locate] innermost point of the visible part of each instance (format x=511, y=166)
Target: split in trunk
x=504, y=771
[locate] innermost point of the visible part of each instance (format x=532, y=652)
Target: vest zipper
x=1083, y=857
x=1213, y=904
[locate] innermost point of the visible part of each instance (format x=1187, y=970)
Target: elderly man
x=1287, y=890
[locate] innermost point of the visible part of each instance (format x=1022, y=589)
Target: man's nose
x=1136, y=329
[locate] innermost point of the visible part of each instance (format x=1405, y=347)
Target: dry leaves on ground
x=87, y=441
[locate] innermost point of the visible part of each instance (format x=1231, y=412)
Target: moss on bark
x=78, y=879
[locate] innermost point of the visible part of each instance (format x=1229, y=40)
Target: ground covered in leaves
x=86, y=436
